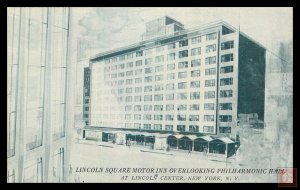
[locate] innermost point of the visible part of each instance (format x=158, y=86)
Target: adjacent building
x=179, y=80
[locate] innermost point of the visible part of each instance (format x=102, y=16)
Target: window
x=211, y=71
x=137, y=98
x=195, y=84
x=183, y=64
x=171, y=67
x=210, y=48
x=194, y=128
x=157, y=126
x=170, y=97
x=228, y=69
x=127, y=116
x=147, y=117
x=138, y=80
x=209, y=106
x=226, y=81
x=158, y=97
x=128, y=99
x=227, y=58
x=194, y=107
x=121, y=74
x=129, y=65
x=225, y=129
x=195, y=63
x=182, y=75
x=169, y=117
x=209, y=83
x=129, y=56
x=194, y=117
x=147, y=107
x=122, y=57
x=169, y=107
x=159, y=77
x=170, y=86
x=128, y=90
x=225, y=118
x=181, y=117
x=138, y=71
x=139, y=53
x=195, y=73
x=171, y=76
x=137, y=108
x=211, y=36
x=171, y=56
x=148, y=61
x=138, y=63
x=171, y=46
x=181, y=107
x=169, y=127
x=128, y=108
x=122, y=66
x=137, y=117
x=180, y=127
x=147, y=98
x=225, y=106
x=114, y=75
x=182, y=96
x=147, y=126
x=129, y=73
x=128, y=81
x=182, y=85
x=114, y=67
x=137, y=125
x=208, y=129
x=227, y=45
x=196, y=51
x=183, y=43
x=148, y=70
x=209, y=94
x=183, y=54
x=158, y=107
x=120, y=82
x=148, y=52
x=159, y=87
x=158, y=117
x=196, y=40
x=209, y=118
x=148, y=79
x=195, y=95
x=225, y=93
x=159, y=59
x=160, y=49
x=210, y=60
x=159, y=68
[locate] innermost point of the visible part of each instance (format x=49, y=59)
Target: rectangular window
x=169, y=117
x=170, y=67
x=208, y=129
x=182, y=75
x=225, y=106
x=138, y=63
x=225, y=129
x=183, y=64
x=194, y=128
x=159, y=59
x=148, y=61
x=169, y=107
x=226, y=81
x=129, y=56
x=158, y=97
x=209, y=118
x=128, y=81
x=159, y=87
x=137, y=117
x=127, y=116
x=227, y=45
x=209, y=106
x=180, y=127
x=128, y=90
x=211, y=71
x=210, y=60
x=158, y=107
x=129, y=64
x=209, y=94
x=159, y=77
x=148, y=70
x=139, y=53
x=121, y=74
x=225, y=118
x=182, y=85
x=128, y=99
x=228, y=69
x=210, y=48
x=225, y=93
x=137, y=108
x=169, y=127
x=137, y=125
x=159, y=49
x=171, y=56
x=147, y=126
x=196, y=40
x=138, y=71
x=157, y=127
x=195, y=63
x=194, y=117
x=181, y=117
x=171, y=76
x=129, y=73
x=211, y=36
x=209, y=83
x=170, y=86
x=147, y=98
x=158, y=117
x=138, y=80
x=195, y=95
x=181, y=107
x=195, y=84
x=170, y=97
x=227, y=58
x=182, y=96
x=183, y=43
x=196, y=51
x=159, y=68
x=147, y=107
x=122, y=57
x=148, y=52
x=183, y=53
x=171, y=46
x=138, y=98
x=147, y=117
x=128, y=108
x=195, y=73
x=194, y=107
x=148, y=79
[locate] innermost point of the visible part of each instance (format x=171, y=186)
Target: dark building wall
x=251, y=77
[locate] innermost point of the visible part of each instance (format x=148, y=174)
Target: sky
x=116, y=27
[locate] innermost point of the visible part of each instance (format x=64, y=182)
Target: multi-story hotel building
x=179, y=80
x=38, y=83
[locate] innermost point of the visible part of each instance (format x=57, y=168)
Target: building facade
x=39, y=114
x=179, y=81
